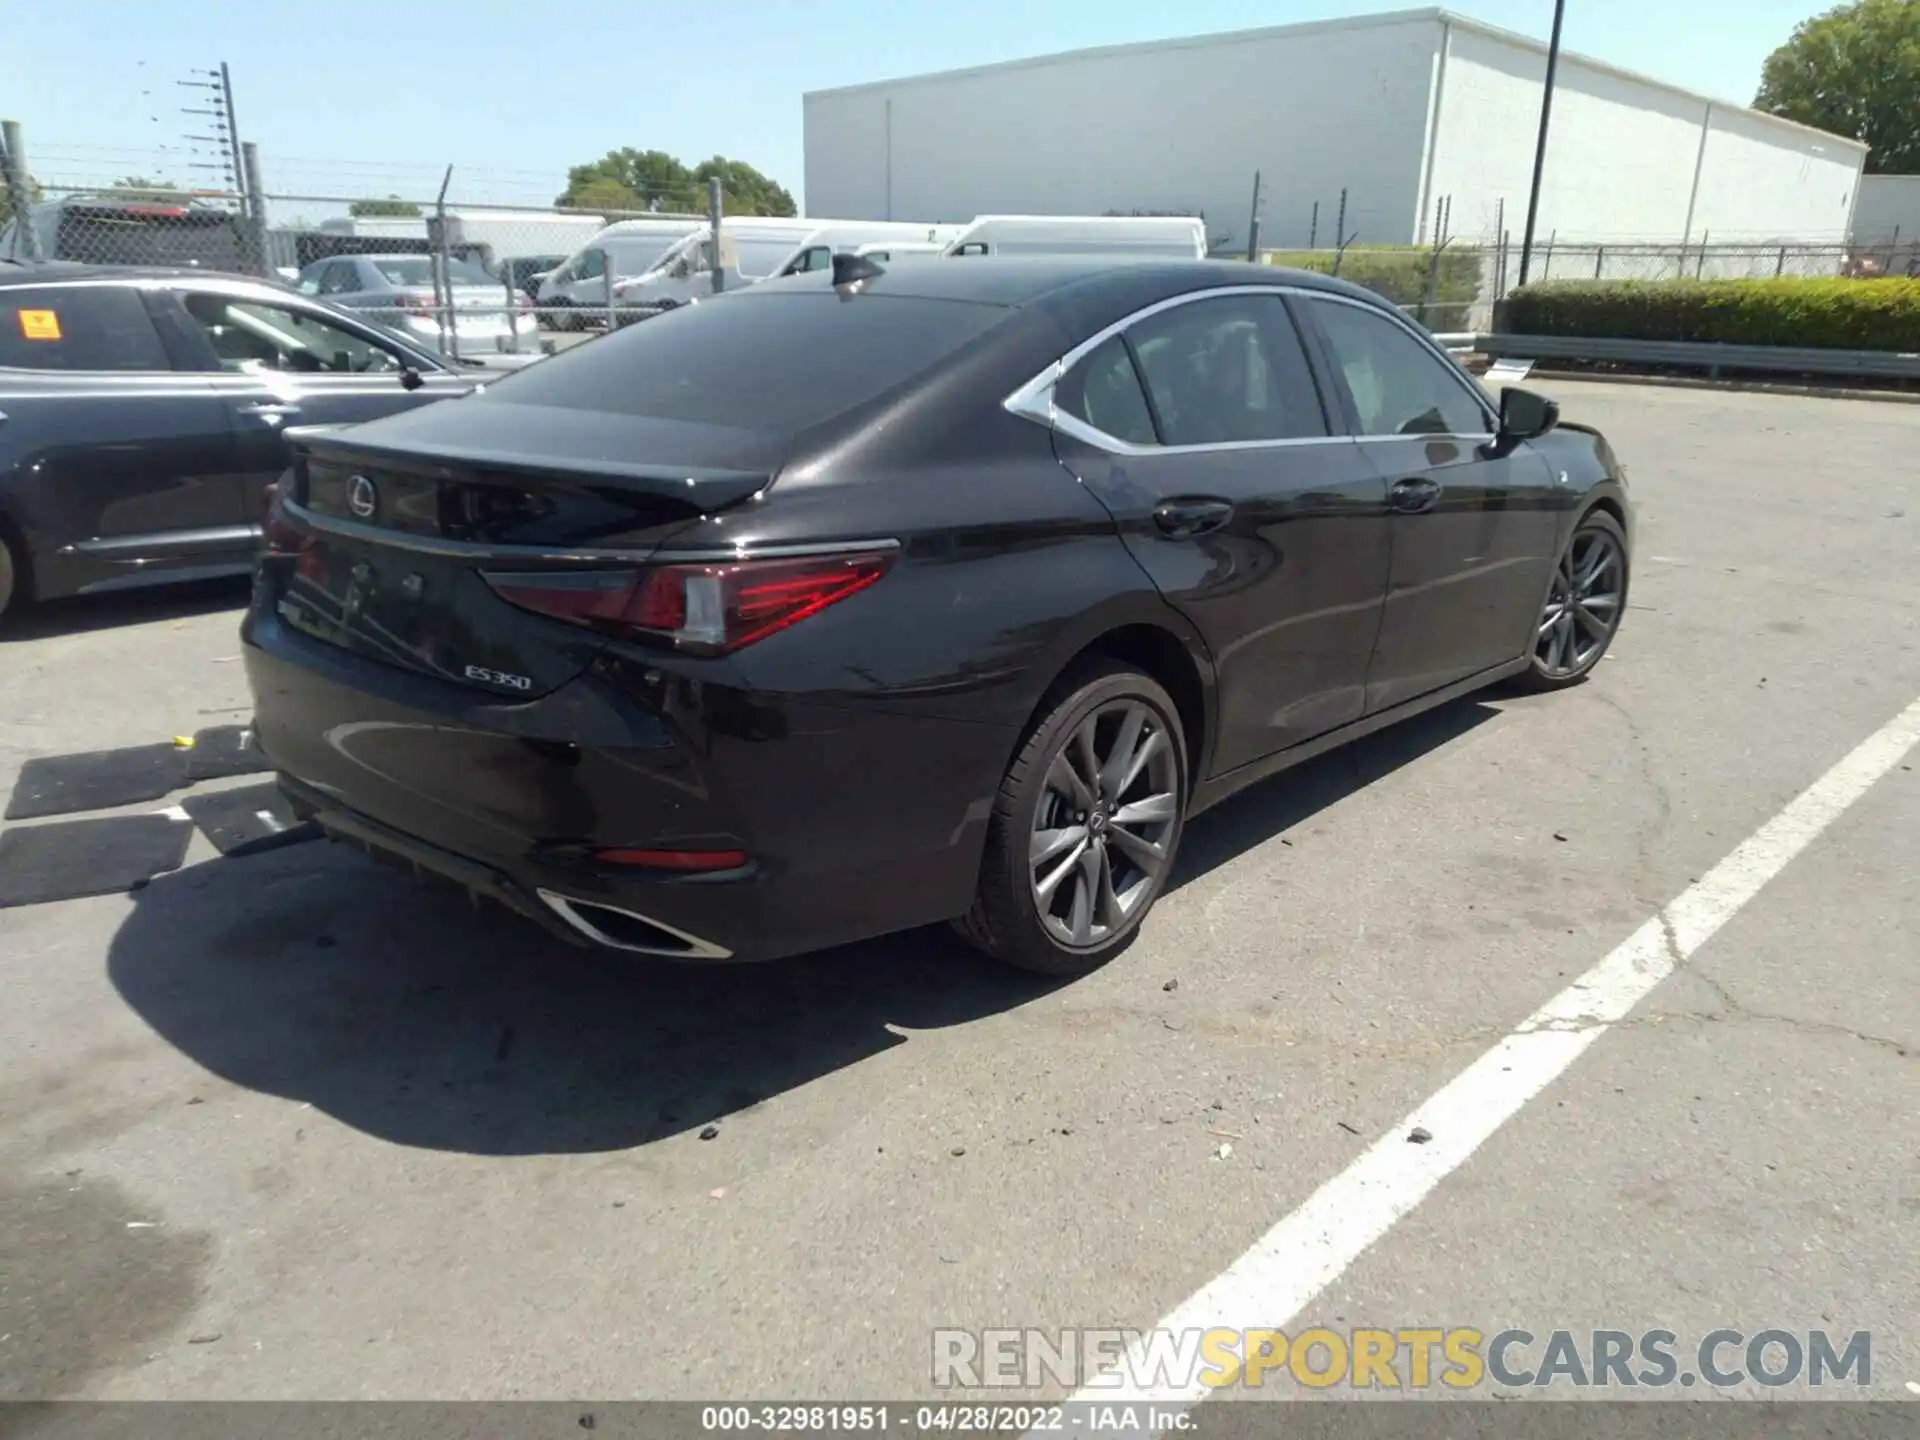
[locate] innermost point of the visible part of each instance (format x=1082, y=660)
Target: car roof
x=46, y=272
x=1028, y=279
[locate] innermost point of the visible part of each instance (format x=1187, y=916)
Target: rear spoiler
x=559, y=453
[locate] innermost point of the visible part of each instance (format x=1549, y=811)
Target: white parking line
x=1292, y=1263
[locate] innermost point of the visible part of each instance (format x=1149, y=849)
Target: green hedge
x=1829, y=314
x=1399, y=274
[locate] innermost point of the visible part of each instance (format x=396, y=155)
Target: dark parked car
x=817, y=612
x=142, y=416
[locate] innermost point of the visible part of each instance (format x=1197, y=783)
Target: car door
x=277, y=361
x=1472, y=523
x=111, y=462
x=1201, y=427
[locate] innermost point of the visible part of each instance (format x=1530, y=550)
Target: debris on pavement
x=1225, y=1152
x=712, y=1132
x=1346, y=1127
x=1419, y=1135
x=1171, y=986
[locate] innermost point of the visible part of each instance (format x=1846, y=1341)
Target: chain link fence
x=465, y=261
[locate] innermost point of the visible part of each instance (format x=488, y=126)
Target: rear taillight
x=708, y=609
x=684, y=862
x=283, y=537
x=415, y=304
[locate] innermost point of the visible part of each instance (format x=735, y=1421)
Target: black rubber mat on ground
x=224, y=750
x=41, y=863
x=98, y=780
x=247, y=820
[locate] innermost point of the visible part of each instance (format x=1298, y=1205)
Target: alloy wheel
x=1103, y=830
x=1583, y=605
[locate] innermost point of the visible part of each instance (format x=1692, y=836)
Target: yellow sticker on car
x=39, y=324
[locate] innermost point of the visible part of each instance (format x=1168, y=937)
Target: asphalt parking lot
x=286, y=1126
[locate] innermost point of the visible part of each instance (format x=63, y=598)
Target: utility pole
x=1540, y=153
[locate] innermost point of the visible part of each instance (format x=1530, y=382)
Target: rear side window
x=755, y=362
x=1228, y=369
x=1104, y=391
x=77, y=327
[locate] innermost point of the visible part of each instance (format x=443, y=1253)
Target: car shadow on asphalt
x=80, y=613
x=401, y=1010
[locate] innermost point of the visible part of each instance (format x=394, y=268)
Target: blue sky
x=352, y=97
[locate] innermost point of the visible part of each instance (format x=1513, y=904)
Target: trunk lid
x=407, y=512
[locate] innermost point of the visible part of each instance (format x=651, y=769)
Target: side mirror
x=1525, y=415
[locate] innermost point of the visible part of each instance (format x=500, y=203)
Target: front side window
x=1399, y=387
x=77, y=327
x=1104, y=391
x=814, y=257
x=591, y=265
x=339, y=278
x=253, y=338
x=1227, y=369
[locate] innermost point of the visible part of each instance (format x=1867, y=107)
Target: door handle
x=270, y=410
x=1184, y=519
x=1413, y=496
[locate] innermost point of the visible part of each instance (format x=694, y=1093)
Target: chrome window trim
x=1034, y=400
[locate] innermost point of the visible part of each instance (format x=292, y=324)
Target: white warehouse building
x=1405, y=112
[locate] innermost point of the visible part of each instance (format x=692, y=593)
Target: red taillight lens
x=415, y=304
x=685, y=862
x=283, y=537
x=709, y=609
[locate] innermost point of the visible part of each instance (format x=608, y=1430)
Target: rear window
x=762, y=362
x=418, y=270
x=77, y=327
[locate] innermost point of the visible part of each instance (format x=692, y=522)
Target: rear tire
x=1086, y=826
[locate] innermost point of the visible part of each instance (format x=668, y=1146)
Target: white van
x=876, y=238
x=754, y=248
x=1157, y=237
x=628, y=248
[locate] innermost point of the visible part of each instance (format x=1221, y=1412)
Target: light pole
x=1540, y=153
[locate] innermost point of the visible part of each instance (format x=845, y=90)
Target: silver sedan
x=487, y=317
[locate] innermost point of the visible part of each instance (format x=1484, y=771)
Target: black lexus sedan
x=824, y=609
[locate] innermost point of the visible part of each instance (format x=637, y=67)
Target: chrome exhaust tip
x=617, y=929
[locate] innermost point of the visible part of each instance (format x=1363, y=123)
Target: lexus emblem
x=363, y=498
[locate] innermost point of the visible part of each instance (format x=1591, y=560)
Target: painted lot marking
x=1292, y=1263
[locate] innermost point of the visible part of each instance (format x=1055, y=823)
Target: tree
x=1854, y=71
x=601, y=193
x=392, y=205
x=6, y=199
x=746, y=190
x=647, y=180
x=654, y=180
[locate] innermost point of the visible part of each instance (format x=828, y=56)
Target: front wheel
x=1085, y=827
x=9, y=578
x=1586, y=599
